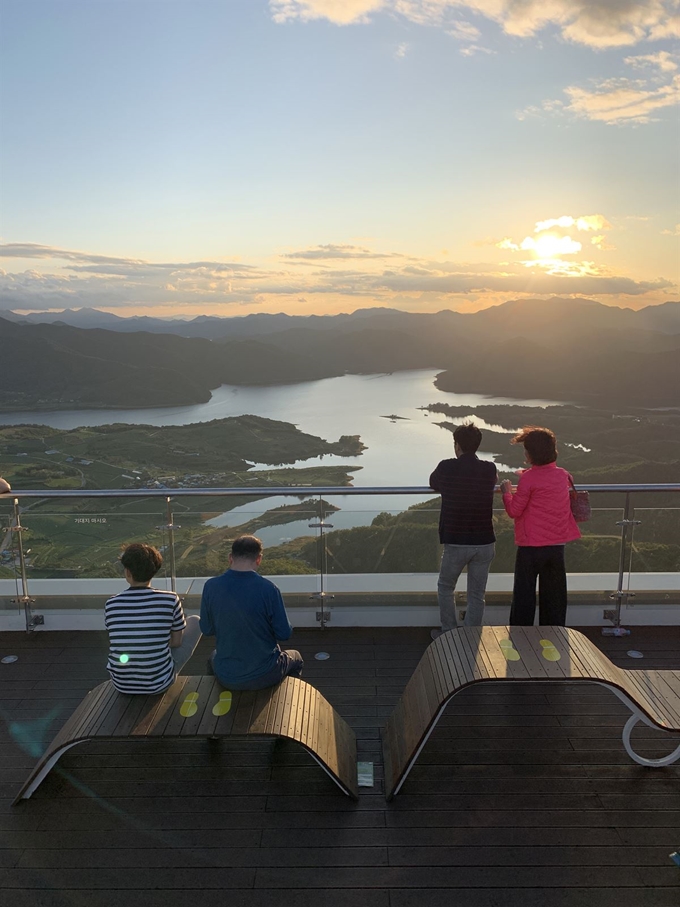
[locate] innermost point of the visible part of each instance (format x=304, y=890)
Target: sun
x=549, y=246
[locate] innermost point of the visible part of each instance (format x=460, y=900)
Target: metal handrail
x=627, y=524
x=291, y=490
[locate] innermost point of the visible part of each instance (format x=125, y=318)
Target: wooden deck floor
x=523, y=797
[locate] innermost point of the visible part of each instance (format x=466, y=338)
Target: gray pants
x=477, y=559
x=190, y=639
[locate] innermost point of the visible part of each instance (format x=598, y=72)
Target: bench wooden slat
x=465, y=656
x=495, y=660
x=293, y=709
x=224, y=724
x=554, y=669
x=208, y=722
x=243, y=714
x=132, y=714
x=97, y=715
x=167, y=706
x=204, y=689
x=432, y=656
x=261, y=709
x=474, y=655
x=515, y=669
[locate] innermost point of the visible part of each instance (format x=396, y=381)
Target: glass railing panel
x=85, y=542
x=597, y=551
x=7, y=542
x=364, y=541
x=343, y=545
x=287, y=525
x=654, y=543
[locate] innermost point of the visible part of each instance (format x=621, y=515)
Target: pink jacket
x=541, y=507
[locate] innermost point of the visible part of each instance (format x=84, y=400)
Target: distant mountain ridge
x=664, y=317
x=563, y=349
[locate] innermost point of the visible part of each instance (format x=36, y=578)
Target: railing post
x=32, y=620
x=170, y=526
x=323, y=616
x=622, y=595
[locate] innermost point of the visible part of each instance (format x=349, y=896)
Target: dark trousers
x=289, y=664
x=547, y=565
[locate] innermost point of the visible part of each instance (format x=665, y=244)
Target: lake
x=402, y=452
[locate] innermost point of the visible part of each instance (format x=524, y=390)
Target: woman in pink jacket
x=541, y=509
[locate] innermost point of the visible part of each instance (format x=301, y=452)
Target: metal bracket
x=324, y=616
x=169, y=526
x=609, y=614
x=37, y=620
x=628, y=522
x=622, y=594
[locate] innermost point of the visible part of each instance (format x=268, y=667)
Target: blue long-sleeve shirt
x=246, y=614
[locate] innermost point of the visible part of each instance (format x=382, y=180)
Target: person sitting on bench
x=150, y=640
x=246, y=614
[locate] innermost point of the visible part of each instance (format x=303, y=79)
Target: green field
x=84, y=537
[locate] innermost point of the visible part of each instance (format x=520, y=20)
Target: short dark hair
x=539, y=443
x=247, y=546
x=468, y=437
x=143, y=561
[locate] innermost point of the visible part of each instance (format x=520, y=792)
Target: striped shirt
x=466, y=485
x=139, y=622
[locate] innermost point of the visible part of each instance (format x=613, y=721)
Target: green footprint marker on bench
x=223, y=704
x=509, y=650
x=549, y=652
x=190, y=705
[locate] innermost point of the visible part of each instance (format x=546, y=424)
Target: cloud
x=401, y=51
x=473, y=49
x=663, y=60
x=668, y=28
x=340, y=12
x=34, y=250
x=531, y=282
x=675, y=232
x=603, y=246
x=464, y=31
x=594, y=23
x=622, y=101
x=333, y=251
x=583, y=222
x=350, y=271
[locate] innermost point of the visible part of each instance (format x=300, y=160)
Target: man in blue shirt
x=246, y=614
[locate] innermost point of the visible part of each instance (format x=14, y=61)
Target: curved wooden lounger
x=461, y=657
x=201, y=707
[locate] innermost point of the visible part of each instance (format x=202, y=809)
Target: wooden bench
x=465, y=656
x=201, y=707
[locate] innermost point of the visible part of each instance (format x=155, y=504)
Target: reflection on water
x=399, y=453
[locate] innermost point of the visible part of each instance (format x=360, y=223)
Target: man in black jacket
x=466, y=485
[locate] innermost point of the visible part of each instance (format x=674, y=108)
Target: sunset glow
x=314, y=156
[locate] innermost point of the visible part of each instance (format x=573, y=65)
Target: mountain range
x=565, y=349
x=664, y=318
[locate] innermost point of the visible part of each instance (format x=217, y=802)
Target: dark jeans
x=547, y=565
x=289, y=664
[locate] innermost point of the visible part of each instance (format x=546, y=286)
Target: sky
x=185, y=157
